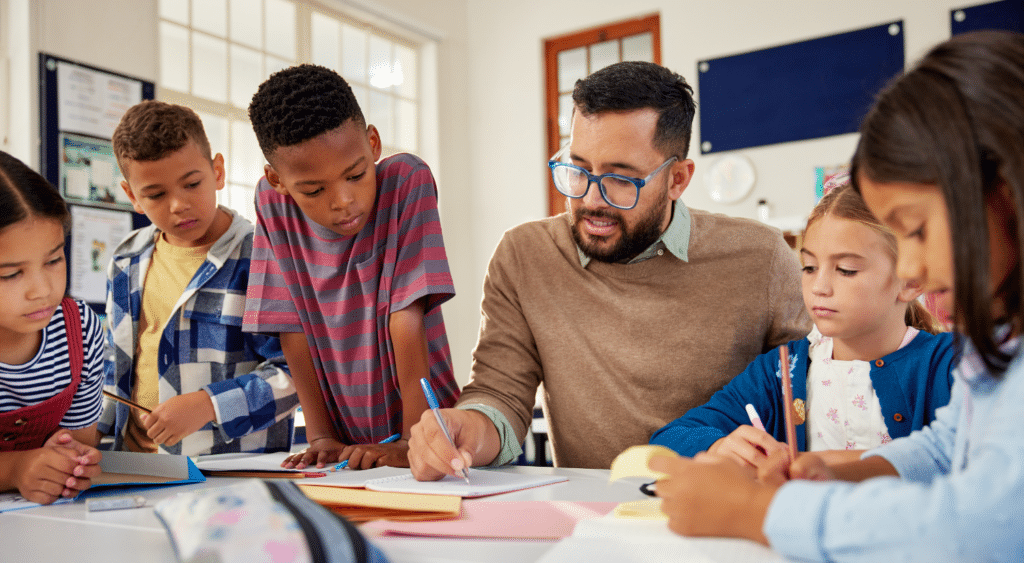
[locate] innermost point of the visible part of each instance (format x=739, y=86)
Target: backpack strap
x=73, y=330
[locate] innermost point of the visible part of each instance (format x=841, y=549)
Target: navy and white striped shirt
x=49, y=372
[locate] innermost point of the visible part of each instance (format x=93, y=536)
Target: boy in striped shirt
x=349, y=269
x=176, y=293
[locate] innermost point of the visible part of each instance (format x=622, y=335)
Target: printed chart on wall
x=97, y=233
x=89, y=172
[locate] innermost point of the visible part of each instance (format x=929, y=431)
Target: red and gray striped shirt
x=340, y=291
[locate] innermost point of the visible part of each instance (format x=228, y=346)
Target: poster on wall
x=89, y=172
x=92, y=101
x=97, y=233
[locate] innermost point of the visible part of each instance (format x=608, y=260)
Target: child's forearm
x=864, y=469
x=307, y=386
x=409, y=341
x=90, y=436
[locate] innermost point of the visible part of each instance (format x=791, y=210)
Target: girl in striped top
x=51, y=360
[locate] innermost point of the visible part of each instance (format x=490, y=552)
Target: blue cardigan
x=910, y=383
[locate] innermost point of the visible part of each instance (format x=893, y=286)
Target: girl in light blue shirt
x=941, y=162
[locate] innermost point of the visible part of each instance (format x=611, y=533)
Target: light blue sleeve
x=971, y=514
x=510, y=446
x=927, y=453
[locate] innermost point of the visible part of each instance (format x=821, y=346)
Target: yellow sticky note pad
x=633, y=462
x=647, y=509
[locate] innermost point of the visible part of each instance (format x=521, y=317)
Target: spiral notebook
x=482, y=482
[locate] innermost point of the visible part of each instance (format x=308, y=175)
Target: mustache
x=599, y=214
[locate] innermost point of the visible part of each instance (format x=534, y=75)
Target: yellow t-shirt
x=171, y=268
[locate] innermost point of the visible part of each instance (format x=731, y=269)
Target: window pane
x=603, y=54
x=280, y=35
x=247, y=22
x=210, y=16
x=210, y=68
x=407, y=126
x=275, y=64
x=572, y=65
x=353, y=54
x=246, y=75
x=379, y=113
x=173, y=57
x=564, y=114
x=406, y=68
x=638, y=48
x=216, y=128
x=381, y=75
x=364, y=103
x=247, y=168
x=326, y=41
x=174, y=10
x=242, y=200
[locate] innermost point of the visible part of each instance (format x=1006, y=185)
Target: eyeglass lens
x=617, y=191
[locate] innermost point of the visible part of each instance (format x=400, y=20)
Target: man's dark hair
x=634, y=85
x=299, y=103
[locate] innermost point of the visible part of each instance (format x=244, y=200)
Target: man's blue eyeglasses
x=619, y=191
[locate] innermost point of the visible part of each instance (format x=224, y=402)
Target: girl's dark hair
x=24, y=194
x=956, y=120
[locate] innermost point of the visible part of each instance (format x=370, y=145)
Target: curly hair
x=635, y=85
x=151, y=130
x=299, y=103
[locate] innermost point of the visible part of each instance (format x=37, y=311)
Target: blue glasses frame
x=554, y=164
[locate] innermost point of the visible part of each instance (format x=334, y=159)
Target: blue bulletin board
x=1007, y=14
x=79, y=107
x=805, y=90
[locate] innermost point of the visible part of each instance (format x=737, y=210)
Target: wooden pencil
x=124, y=401
x=787, y=401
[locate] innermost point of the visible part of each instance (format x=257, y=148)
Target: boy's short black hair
x=635, y=85
x=299, y=103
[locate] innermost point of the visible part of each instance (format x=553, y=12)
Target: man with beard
x=629, y=307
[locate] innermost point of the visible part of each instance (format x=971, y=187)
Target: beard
x=632, y=241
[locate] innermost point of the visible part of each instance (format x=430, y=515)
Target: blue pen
x=434, y=406
x=387, y=440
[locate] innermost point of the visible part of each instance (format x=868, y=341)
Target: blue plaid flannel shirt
x=203, y=347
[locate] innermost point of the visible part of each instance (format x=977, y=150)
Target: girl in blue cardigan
x=871, y=369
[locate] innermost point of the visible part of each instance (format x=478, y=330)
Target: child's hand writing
x=62, y=467
x=321, y=451
x=712, y=496
x=178, y=417
x=365, y=456
x=747, y=446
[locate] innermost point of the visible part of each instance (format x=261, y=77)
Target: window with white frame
x=215, y=53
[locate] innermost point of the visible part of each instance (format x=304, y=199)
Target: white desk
x=68, y=532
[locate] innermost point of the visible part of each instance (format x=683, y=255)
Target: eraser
x=95, y=505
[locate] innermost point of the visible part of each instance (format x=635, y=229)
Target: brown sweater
x=624, y=349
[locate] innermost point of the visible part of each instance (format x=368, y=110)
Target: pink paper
x=527, y=519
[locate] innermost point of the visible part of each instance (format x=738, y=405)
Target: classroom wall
x=491, y=151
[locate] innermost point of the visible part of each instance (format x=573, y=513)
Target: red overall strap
x=73, y=329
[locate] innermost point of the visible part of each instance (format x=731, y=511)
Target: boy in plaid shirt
x=175, y=297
